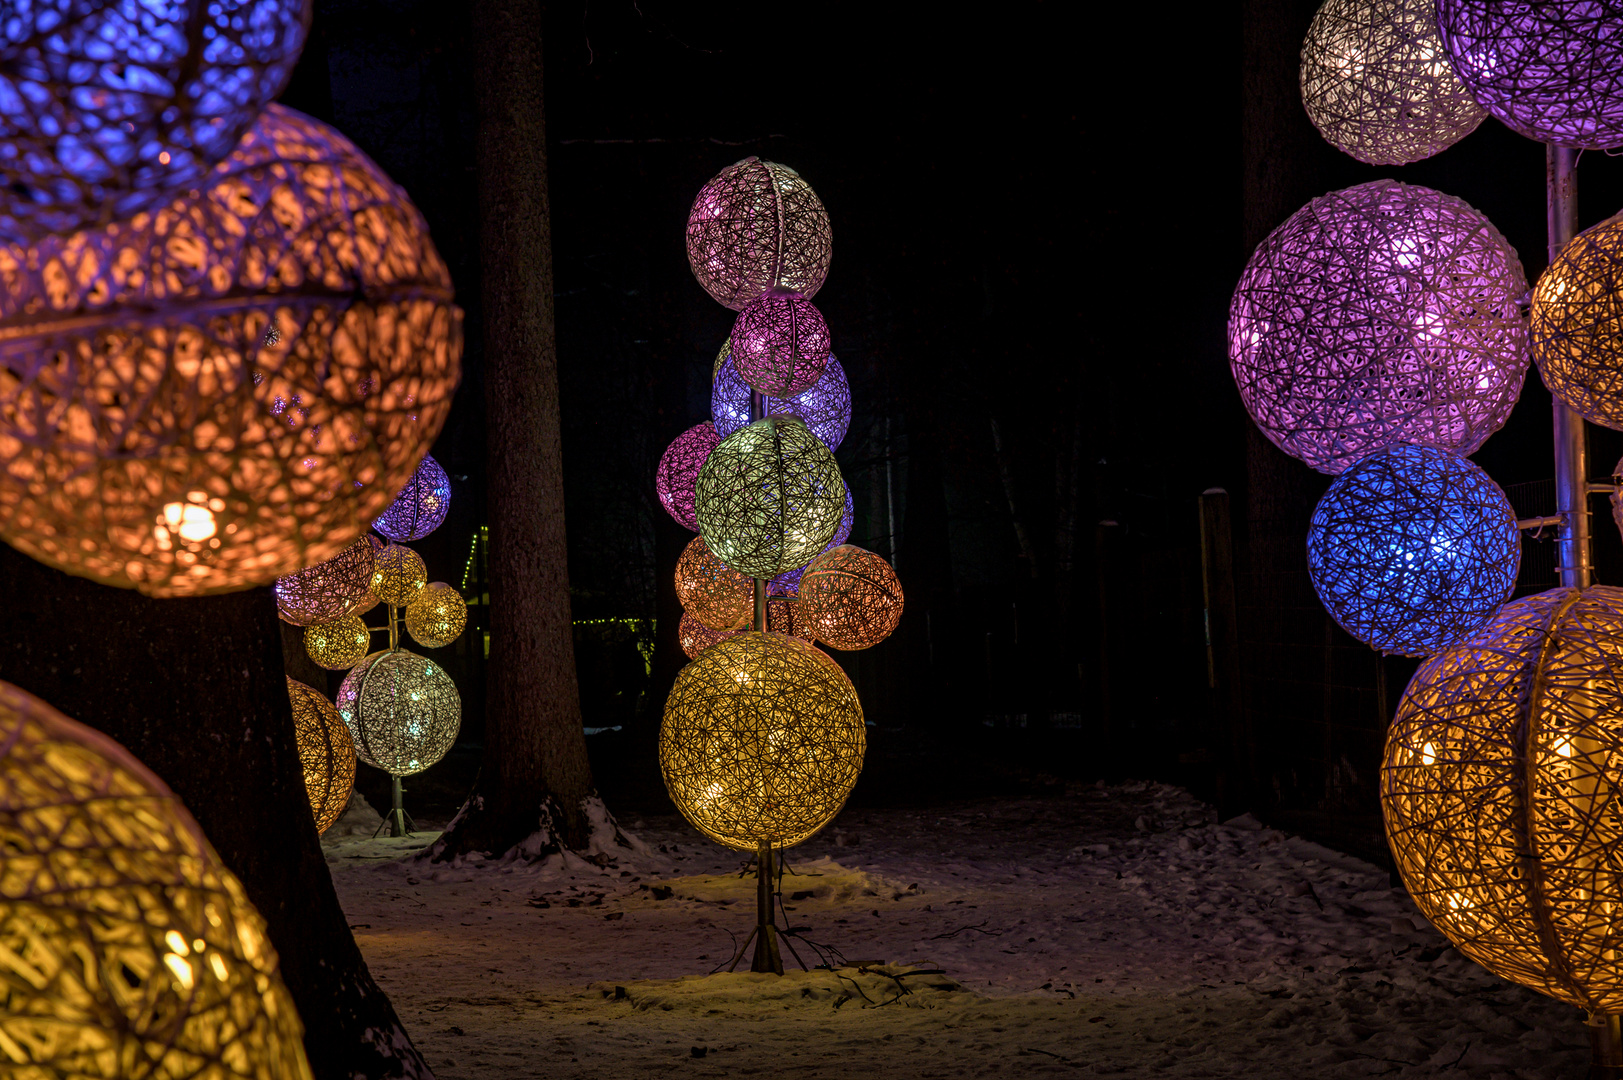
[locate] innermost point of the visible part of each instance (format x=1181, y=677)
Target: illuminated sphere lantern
x=849, y=598
x=326, y=752
x=825, y=408
x=1577, y=324
x=1378, y=84
x=323, y=592
x=711, y=594
x=420, y=507
x=228, y=388
x=1499, y=790
x=788, y=582
x=755, y=227
x=679, y=469
x=1413, y=549
x=402, y=710
x=437, y=615
x=769, y=497
x=109, y=109
x=695, y=637
x=130, y=950
x=339, y=644
x=762, y=740
x=400, y=575
x=1377, y=316
x=779, y=345
x=1552, y=71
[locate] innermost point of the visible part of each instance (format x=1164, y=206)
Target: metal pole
x=758, y=620
x=1606, y=1047
x=1571, y=444
x=397, y=808
x=767, y=957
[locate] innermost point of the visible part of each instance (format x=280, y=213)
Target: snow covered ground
x=1115, y=930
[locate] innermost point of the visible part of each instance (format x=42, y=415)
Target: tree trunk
x=195, y=689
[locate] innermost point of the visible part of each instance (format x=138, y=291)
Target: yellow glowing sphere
x=762, y=740
x=338, y=644
x=325, y=750
x=437, y=616
x=400, y=575
x=126, y=946
x=1577, y=323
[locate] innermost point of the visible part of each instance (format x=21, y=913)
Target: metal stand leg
x=1606, y=1046
x=767, y=957
x=399, y=822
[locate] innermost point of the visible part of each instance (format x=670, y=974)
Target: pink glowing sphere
x=780, y=345
x=679, y=469
x=755, y=227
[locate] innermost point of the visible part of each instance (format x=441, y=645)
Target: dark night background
x=1039, y=213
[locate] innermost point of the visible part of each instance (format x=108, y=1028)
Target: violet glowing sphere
x=1380, y=315
x=780, y=345
x=755, y=227
x=421, y=506
x=1552, y=71
x=825, y=408
x=788, y=582
x=679, y=469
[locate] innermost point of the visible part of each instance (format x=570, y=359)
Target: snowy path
x=1112, y=931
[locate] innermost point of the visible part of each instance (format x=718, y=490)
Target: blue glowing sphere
x=420, y=507
x=1412, y=549
x=825, y=407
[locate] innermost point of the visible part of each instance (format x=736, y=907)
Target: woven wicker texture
x=437, y=616
x=1499, y=788
x=695, y=637
x=762, y=740
x=420, y=507
x=1376, y=316
x=679, y=469
x=148, y=435
x=1413, y=549
x=1577, y=324
x=769, y=497
x=327, y=590
x=399, y=576
x=825, y=408
x=108, y=109
x=325, y=750
x=1552, y=70
x=779, y=345
x=713, y=595
x=758, y=226
x=127, y=949
x=850, y=598
x=403, y=711
x=1379, y=86
x=338, y=644
x=788, y=582
x=782, y=617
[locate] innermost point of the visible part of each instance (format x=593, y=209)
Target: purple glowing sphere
x=825, y=408
x=1552, y=71
x=755, y=227
x=679, y=469
x=420, y=507
x=780, y=345
x=788, y=582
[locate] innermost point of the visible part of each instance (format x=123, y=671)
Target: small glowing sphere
x=755, y=227
x=695, y=637
x=400, y=575
x=402, y=710
x=825, y=408
x=130, y=949
x=788, y=582
x=421, y=506
x=679, y=469
x=338, y=644
x=325, y=750
x=849, y=598
x=711, y=594
x=769, y=497
x=436, y=617
x=780, y=345
x=1577, y=324
x=762, y=740
x=323, y=592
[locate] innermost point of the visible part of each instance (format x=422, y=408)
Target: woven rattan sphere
x=1379, y=86
x=325, y=750
x=758, y=226
x=403, y=711
x=338, y=644
x=1413, y=549
x=400, y=575
x=788, y=582
x=130, y=950
x=762, y=740
x=154, y=433
x=712, y=594
x=1499, y=789
x=1577, y=324
x=436, y=617
x=679, y=469
x=108, y=109
x=420, y=507
x=327, y=590
x=769, y=497
x=1376, y=316
x=780, y=345
x=1552, y=70
x=850, y=598
x=695, y=637
x=825, y=408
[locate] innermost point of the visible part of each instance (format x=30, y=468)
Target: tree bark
x=196, y=689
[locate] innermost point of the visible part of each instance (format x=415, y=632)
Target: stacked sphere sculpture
x=679, y=469
x=1376, y=316
x=762, y=740
x=1577, y=324
x=769, y=497
x=156, y=434
x=1499, y=789
x=436, y=617
x=715, y=596
x=1413, y=549
x=325, y=750
x=130, y=949
x=421, y=506
x=1551, y=71
x=402, y=710
x=399, y=576
x=779, y=345
x=338, y=644
x=758, y=226
x=849, y=598
x=825, y=408
x=327, y=590
x=1378, y=84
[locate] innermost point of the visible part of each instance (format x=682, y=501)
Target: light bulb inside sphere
x=338, y=644
x=327, y=590
x=758, y=226
x=402, y=710
x=436, y=617
x=769, y=497
x=711, y=594
x=825, y=408
x=326, y=752
x=421, y=506
x=849, y=598
x=1381, y=315
x=679, y=469
x=399, y=576
x=1577, y=324
x=780, y=345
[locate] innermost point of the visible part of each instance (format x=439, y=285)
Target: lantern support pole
x=767, y=957
x=758, y=620
x=1571, y=445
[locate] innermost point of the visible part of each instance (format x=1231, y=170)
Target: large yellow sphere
x=437, y=616
x=129, y=949
x=338, y=644
x=1502, y=789
x=762, y=740
x=400, y=575
x=325, y=750
x=402, y=710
